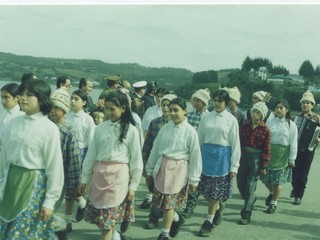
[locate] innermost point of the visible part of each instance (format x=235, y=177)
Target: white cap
x=139, y=84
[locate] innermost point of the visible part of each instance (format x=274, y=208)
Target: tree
x=279, y=70
x=210, y=76
x=247, y=64
x=306, y=70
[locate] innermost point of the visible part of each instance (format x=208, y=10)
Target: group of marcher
x=63, y=146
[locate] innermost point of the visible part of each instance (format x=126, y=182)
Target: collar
x=14, y=109
x=115, y=124
x=35, y=116
x=180, y=125
x=78, y=114
x=220, y=114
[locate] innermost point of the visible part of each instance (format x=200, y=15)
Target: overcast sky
x=195, y=37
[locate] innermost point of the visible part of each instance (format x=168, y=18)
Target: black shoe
x=162, y=237
x=268, y=200
x=69, y=227
x=175, y=227
x=292, y=194
x=271, y=209
x=206, y=229
x=80, y=214
x=124, y=226
x=61, y=235
x=244, y=221
x=187, y=213
x=219, y=214
x=151, y=225
x=297, y=201
x=146, y=204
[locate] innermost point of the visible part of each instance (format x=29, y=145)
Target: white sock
x=210, y=218
x=115, y=235
x=165, y=231
x=176, y=217
x=82, y=203
x=149, y=197
x=68, y=218
x=274, y=202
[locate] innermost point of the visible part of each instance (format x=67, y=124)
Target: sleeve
x=235, y=146
x=148, y=143
x=266, y=148
x=293, y=141
x=90, y=159
x=91, y=129
x=135, y=164
x=201, y=132
x=154, y=154
x=195, y=167
x=53, y=167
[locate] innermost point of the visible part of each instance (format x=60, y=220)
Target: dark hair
x=121, y=100
x=83, y=95
x=162, y=91
x=12, y=88
x=61, y=80
x=42, y=91
x=83, y=82
x=179, y=101
x=27, y=77
x=221, y=95
x=286, y=105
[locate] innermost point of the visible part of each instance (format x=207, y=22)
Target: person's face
x=67, y=85
x=306, y=106
x=281, y=110
x=232, y=104
x=113, y=112
x=177, y=114
x=198, y=104
x=57, y=114
x=256, y=116
x=98, y=119
x=219, y=105
x=77, y=103
x=8, y=101
x=165, y=108
x=255, y=100
x=29, y=103
x=88, y=87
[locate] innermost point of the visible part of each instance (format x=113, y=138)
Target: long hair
x=83, y=95
x=120, y=99
x=42, y=91
x=287, y=106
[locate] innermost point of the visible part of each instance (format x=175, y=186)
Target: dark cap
x=114, y=78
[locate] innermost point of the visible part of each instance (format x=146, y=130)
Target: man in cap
x=112, y=84
x=148, y=98
x=137, y=102
x=304, y=157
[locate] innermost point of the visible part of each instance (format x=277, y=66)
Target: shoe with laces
x=162, y=237
x=69, y=227
x=271, y=209
x=206, y=229
x=175, y=227
x=124, y=226
x=244, y=221
x=146, y=204
x=80, y=214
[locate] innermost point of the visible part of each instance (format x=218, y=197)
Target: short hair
x=83, y=82
x=179, y=101
x=11, y=88
x=222, y=95
x=28, y=76
x=61, y=80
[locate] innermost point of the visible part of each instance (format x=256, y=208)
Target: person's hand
x=45, y=214
x=192, y=188
x=262, y=172
x=130, y=195
x=232, y=174
x=291, y=165
x=82, y=189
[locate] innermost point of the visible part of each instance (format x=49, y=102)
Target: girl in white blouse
x=35, y=177
x=174, y=166
x=284, y=147
x=115, y=161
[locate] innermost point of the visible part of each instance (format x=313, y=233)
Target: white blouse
x=106, y=147
x=285, y=135
x=221, y=129
x=176, y=142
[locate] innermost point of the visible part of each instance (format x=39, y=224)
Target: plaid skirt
x=215, y=187
x=106, y=218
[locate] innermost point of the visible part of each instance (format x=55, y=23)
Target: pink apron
x=109, y=184
x=172, y=176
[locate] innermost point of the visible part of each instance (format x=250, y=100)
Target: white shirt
x=151, y=113
x=137, y=120
x=33, y=142
x=176, y=142
x=84, y=126
x=105, y=147
x=285, y=135
x=221, y=129
x=5, y=117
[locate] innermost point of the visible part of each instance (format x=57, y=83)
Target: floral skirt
x=169, y=201
x=106, y=218
x=215, y=187
x=27, y=225
x=276, y=176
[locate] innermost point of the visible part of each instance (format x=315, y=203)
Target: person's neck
x=60, y=121
x=255, y=124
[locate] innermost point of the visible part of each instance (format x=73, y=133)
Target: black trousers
x=300, y=172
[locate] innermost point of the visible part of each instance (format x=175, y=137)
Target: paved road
x=289, y=222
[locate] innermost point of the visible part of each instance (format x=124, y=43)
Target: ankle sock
x=149, y=197
x=165, y=232
x=82, y=203
x=274, y=202
x=210, y=218
x=176, y=217
x=115, y=235
x=68, y=218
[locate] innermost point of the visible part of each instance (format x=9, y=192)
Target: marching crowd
x=60, y=146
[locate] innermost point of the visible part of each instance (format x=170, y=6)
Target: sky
x=197, y=37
